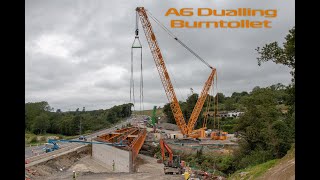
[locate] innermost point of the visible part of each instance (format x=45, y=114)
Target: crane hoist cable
x=209, y=102
x=178, y=40
x=205, y=119
x=216, y=107
x=132, y=99
x=141, y=77
x=217, y=100
x=141, y=85
x=139, y=46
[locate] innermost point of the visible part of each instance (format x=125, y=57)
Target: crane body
x=186, y=129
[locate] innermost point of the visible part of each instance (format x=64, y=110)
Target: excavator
x=173, y=165
x=153, y=118
x=186, y=129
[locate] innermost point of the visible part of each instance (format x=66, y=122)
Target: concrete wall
x=105, y=154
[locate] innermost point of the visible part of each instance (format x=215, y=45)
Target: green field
x=159, y=112
x=32, y=139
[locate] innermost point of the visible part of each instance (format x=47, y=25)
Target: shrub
x=34, y=139
x=254, y=158
x=43, y=138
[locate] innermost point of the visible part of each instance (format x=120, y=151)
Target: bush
x=254, y=158
x=43, y=138
x=88, y=131
x=34, y=139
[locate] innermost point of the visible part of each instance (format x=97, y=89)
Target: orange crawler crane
x=219, y=135
x=186, y=129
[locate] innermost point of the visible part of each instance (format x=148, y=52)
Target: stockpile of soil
x=169, y=126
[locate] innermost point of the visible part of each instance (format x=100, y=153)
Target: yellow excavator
x=186, y=129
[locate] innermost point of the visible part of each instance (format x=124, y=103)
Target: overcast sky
x=77, y=53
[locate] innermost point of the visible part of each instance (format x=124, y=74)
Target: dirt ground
x=148, y=168
x=86, y=168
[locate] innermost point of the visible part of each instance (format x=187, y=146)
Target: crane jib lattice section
x=166, y=82
x=163, y=73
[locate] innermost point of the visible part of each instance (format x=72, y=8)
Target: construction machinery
x=219, y=135
x=51, y=146
x=186, y=129
x=153, y=118
x=173, y=165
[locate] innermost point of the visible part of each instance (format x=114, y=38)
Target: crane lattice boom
x=166, y=82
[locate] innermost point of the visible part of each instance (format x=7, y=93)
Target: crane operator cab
x=176, y=166
x=176, y=161
x=48, y=147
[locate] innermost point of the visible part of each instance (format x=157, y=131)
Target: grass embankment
x=32, y=139
x=254, y=172
x=159, y=112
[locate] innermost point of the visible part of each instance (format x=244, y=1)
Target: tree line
x=41, y=118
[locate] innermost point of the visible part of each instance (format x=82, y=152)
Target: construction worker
x=113, y=165
x=73, y=174
x=186, y=175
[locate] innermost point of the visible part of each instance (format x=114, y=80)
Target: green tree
x=280, y=55
x=190, y=103
x=168, y=112
x=34, y=109
x=112, y=117
x=283, y=55
x=41, y=124
x=221, y=97
x=229, y=104
x=255, y=89
x=262, y=128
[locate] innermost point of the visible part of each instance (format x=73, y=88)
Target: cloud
x=78, y=52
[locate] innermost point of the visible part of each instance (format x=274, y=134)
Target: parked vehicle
x=83, y=138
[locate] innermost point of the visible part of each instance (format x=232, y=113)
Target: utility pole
x=80, y=127
x=83, y=110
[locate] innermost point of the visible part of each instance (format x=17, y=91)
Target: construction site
x=132, y=149
x=126, y=153
x=143, y=146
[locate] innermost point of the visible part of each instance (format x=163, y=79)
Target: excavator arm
x=164, y=146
